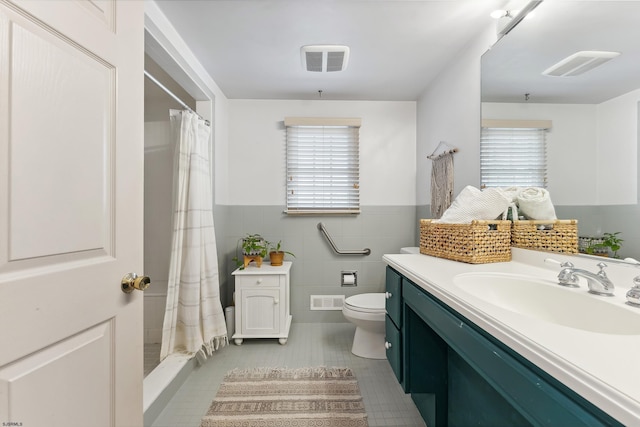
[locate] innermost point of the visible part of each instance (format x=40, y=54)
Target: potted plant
x=253, y=247
x=611, y=242
x=591, y=245
x=276, y=254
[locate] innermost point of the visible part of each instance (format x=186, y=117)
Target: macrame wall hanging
x=441, y=178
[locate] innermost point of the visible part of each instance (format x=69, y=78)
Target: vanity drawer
x=263, y=281
x=393, y=294
x=393, y=346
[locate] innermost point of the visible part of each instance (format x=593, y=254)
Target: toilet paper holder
x=349, y=278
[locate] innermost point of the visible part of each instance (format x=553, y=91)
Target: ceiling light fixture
x=514, y=17
x=579, y=62
x=502, y=13
x=324, y=58
x=499, y=13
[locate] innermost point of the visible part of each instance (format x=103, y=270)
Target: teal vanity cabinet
x=459, y=375
x=393, y=321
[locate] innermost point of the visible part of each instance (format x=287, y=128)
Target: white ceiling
x=251, y=48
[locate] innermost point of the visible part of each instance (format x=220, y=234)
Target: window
x=323, y=165
x=513, y=153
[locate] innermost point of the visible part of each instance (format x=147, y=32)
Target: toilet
x=367, y=312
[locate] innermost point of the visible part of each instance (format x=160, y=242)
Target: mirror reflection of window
x=513, y=153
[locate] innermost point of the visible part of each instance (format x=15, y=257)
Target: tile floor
x=317, y=344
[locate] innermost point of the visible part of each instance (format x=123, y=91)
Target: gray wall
x=316, y=268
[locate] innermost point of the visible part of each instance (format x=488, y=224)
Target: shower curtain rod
x=174, y=96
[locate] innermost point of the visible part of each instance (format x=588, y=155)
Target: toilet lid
x=370, y=302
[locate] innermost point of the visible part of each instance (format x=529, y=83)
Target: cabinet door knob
x=388, y=295
x=276, y=301
x=259, y=281
x=387, y=345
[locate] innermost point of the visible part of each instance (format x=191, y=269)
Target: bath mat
x=273, y=397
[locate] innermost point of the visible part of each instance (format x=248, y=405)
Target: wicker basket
x=477, y=243
x=544, y=235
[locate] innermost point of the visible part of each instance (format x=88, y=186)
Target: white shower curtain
x=194, y=320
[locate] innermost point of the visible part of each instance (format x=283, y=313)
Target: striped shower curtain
x=194, y=320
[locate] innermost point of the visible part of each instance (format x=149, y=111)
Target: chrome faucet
x=633, y=295
x=598, y=283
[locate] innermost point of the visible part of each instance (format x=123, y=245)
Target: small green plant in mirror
x=611, y=241
x=591, y=245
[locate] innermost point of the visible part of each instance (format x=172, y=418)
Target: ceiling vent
x=324, y=58
x=579, y=62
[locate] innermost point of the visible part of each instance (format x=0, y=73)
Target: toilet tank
x=410, y=250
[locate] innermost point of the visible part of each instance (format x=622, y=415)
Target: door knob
x=132, y=281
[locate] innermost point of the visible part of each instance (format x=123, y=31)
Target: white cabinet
x=262, y=302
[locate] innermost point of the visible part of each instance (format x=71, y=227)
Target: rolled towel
x=473, y=203
x=512, y=192
x=535, y=203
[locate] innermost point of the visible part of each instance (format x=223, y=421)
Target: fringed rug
x=274, y=397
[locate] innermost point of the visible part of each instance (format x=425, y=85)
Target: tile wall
x=316, y=268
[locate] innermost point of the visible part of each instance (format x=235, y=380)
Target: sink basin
x=547, y=301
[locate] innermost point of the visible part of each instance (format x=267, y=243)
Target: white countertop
x=603, y=368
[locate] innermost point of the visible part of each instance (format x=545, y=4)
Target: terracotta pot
x=276, y=258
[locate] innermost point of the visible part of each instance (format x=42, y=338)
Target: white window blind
x=323, y=166
x=513, y=156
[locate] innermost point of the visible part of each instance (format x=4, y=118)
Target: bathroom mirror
x=515, y=64
x=592, y=147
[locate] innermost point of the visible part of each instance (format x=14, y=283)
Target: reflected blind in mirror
x=513, y=157
x=323, y=166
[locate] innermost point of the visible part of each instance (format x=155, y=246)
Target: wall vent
x=579, y=62
x=324, y=58
x=327, y=302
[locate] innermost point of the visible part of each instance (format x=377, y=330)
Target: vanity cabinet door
x=393, y=342
x=393, y=294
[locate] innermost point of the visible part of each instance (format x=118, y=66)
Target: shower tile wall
x=158, y=160
x=316, y=268
x=154, y=307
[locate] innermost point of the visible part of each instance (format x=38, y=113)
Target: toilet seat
x=366, y=303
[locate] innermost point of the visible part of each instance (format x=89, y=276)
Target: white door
x=71, y=187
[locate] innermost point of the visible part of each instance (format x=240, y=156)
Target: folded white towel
x=474, y=204
x=535, y=203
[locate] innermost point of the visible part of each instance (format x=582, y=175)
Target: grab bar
x=365, y=251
